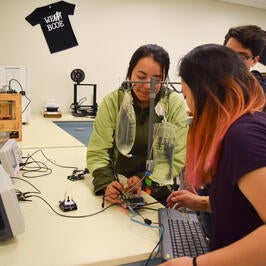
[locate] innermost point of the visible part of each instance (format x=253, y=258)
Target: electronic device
x=11, y=219
x=51, y=107
x=133, y=201
x=183, y=234
x=78, y=174
x=85, y=105
x=68, y=205
x=16, y=78
x=10, y=157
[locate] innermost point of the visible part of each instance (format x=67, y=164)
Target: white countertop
x=41, y=132
x=108, y=238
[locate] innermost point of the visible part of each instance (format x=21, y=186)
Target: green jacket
x=102, y=150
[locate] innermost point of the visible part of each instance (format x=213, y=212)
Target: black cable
x=9, y=85
x=23, y=196
x=29, y=101
x=82, y=100
x=149, y=222
x=158, y=243
x=175, y=89
x=28, y=195
x=14, y=177
x=161, y=230
x=23, y=93
x=62, y=166
x=41, y=167
x=71, y=216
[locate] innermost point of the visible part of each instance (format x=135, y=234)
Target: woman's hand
x=184, y=198
x=135, y=184
x=113, y=192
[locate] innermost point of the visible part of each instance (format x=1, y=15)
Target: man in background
x=249, y=42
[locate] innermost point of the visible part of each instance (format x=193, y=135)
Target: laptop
x=183, y=234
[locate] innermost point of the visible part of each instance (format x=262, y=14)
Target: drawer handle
x=80, y=128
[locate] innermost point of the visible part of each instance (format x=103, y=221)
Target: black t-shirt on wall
x=55, y=25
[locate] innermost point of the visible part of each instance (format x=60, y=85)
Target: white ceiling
x=252, y=3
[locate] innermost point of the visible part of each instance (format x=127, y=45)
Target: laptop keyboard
x=183, y=234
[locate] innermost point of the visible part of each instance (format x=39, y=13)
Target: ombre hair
x=223, y=90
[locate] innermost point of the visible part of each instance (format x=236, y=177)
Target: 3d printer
x=78, y=108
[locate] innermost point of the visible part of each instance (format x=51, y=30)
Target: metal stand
x=153, y=82
x=149, y=162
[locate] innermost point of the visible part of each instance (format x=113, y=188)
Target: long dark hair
x=156, y=52
x=223, y=89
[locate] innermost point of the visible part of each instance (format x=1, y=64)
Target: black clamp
x=23, y=196
x=78, y=174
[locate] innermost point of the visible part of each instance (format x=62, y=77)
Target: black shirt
x=260, y=79
x=55, y=25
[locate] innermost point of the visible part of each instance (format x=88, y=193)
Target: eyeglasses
x=245, y=56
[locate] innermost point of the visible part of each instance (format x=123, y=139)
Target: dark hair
x=156, y=52
x=223, y=89
x=250, y=36
x=208, y=67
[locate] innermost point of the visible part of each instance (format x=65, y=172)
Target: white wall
x=108, y=32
